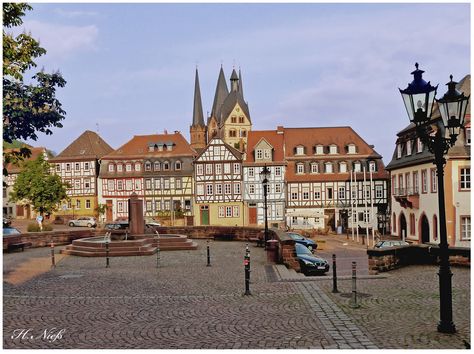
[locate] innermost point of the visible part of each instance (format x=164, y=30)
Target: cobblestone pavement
x=185, y=304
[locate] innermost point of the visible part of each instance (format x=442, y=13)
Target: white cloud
x=75, y=13
x=63, y=40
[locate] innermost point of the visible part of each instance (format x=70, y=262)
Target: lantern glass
x=265, y=174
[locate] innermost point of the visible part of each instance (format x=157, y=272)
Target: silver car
x=88, y=221
x=390, y=243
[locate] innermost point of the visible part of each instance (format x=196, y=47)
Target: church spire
x=221, y=93
x=198, y=117
x=234, y=81
x=241, y=87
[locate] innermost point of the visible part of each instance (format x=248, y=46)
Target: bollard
x=208, y=255
x=334, y=275
x=53, y=263
x=107, y=265
x=247, y=274
x=157, y=252
x=353, y=302
x=363, y=239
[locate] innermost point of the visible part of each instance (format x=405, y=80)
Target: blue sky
x=130, y=67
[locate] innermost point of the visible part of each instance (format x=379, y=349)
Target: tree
x=39, y=187
x=27, y=108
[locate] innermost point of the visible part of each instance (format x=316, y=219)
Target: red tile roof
x=35, y=153
x=89, y=145
x=272, y=137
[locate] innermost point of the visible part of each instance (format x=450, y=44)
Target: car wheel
x=89, y=225
x=71, y=224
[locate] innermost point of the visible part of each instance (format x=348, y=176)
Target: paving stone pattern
x=185, y=304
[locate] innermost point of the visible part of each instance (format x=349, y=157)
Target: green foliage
x=37, y=185
x=27, y=108
x=34, y=227
x=101, y=209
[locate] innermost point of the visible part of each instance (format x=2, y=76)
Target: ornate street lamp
x=419, y=98
x=264, y=176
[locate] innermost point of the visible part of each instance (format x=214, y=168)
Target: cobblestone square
x=185, y=304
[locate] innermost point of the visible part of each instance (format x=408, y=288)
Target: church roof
x=221, y=93
x=198, y=117
x=229, y=103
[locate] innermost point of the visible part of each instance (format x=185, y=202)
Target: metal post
x=266, y=213
x=334, y=275
x=353, y=302
x=157, y=251
x=247, y=273
x=208, y=255
x=53, y=263
x=107, y=264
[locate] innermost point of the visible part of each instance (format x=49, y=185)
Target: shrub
x=34, y=227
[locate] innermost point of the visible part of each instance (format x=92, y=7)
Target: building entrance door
x=330, y=218
x=403, y=226
x=252, y=214
x=108, y=213
x=425, y=229
x=204, y=214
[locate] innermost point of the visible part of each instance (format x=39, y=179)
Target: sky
x=130, y=67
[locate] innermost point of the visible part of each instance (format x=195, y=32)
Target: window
x=294, y=220
x=151, y=148
x=394, y=222
x=329, y=193
x=178, y=183
x=216, y=150
x=342, y=193
x=86, y=166
x=372, y=166
x=233, y=119
x=138, y=166
x=208, y=169
x=200, y=189
x=237, y=188
x=138, y=184
x=227, y=188
x=399, y=151
x=465, y=181
x=416, y=183
x=77, y=184
x=166, y=166
x=412, y=224
x=378, y=192
x=319, y=150
x=278, y=171
x=87, y=183
x=119, y=168
x=299, y=168
x=351, y=149
x=157, y=166
x=465, y=228
x=328, y=167
x=235, y=211
x=218, y=168
x=119, y=185
x=128, y=167
x=259, y=154
x=128, y=184
x=409, y=147
x=88, y=204
x=407, y=183
x=236, y=168
x=58, y=167
x=333, y=149
x=305, y=193
x=147, y=166
x=228, y=212
x=300, y=150
x=468, y=136
x=243, y=133
x=78, y=204
x=199, y=169
x=400, y=185
x=227, y=168
x=317, y=195
x=424, y=182
x=434, y=180
x=241, y=119
x=251, y=188
x=68, y=167
x=277, y=188
x=218, y=188
x=149, y=206
x=343, y=167
x=267, y=154
x=294, y=193
x=157, y=183
x=232, y=133
x=169, y=147
x=167, y=205
x=110, y=185
x=177, y=165
x=419, y=145
x=221, y=212
x=148, y=184
x=77, y=166
x=251, y=172
x=69, y=204
x=357, y=166
x=314, y=167
x=157, y=205
x=166, y=183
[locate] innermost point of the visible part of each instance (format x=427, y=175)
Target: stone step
x=286, y=273
x=115, y=253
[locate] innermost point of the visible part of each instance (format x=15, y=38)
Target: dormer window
x=147, y=166
x=138, y=166
x=300, y=150
x=151, y=148
x=319, y=150
x=328, y=167
x=259, y=154
x=351, y=149
x=409, y=147
x=342, y=167
x=119, y=168
x=177, y=165
x=357, y=166
x=267, y=154
x=314, y=168
x=399, y=151
x=111, y=167
x=157, y=166
x=128, y=167
x=333, y=149
x=166, y=166
x=372, y=166
x=300, y=168
x=160, y=147
x=169, y=147
x=419, y=145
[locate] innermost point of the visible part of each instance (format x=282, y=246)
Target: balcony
x=407, y=197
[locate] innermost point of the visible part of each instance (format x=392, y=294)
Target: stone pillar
x=135, y=215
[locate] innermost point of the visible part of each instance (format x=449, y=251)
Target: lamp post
x=419, y=98
x=264, y=175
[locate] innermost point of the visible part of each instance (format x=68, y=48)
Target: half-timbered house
x=218, y=186
x=157, y=168
x=78, y=165
x=318, y=175
x=265, y=148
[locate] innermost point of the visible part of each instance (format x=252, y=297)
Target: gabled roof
x=234, y=151
x=137, y=147
x=233, y=98
x=89, y=145
x=254, y=137
x=35, y=153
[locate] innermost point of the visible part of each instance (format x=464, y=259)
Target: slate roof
x=221, y=93
x=137, y=147
x=198, y=117
x=229, y=103
x=89, y=145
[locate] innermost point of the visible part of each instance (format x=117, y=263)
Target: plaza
x=185, y=304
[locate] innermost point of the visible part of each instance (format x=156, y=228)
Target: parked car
x=88, y=221
x=151, y=222
x=390, y=243
x=309, y=263
x=10, y=231
x=117, y=225
x=310, y=244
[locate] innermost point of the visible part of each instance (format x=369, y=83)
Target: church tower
x=214, y=122
x=198, y=128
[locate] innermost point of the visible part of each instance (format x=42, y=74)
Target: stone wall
x=222, y=232
x=383, y=260
x=286, y=249
x=42, y=239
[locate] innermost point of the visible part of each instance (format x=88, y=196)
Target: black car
x=310, y=244
x=309, y=263
x=117, y=225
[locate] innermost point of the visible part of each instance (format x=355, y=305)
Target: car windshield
x=300, y=249
x=296, y=236
x=10, y=231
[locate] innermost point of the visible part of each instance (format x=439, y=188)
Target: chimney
x=166, y=132
x=280, y=129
